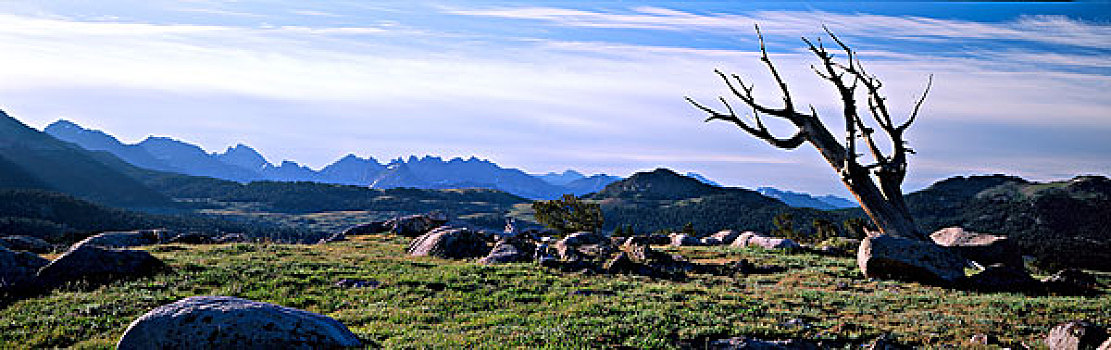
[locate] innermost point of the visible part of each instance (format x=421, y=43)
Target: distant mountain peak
x=243, y=156
x=805, y=200
x=703, y=179
x=661, y=183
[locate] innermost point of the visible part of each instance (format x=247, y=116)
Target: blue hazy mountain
x=244, y=164
x=561, y=179
x=32, y=159
x=803, y=200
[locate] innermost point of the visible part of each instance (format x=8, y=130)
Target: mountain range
x=803, y=200
x=242, y=163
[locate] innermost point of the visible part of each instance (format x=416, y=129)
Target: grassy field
x=431, y=303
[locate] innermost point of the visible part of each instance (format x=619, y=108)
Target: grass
x=432, y=303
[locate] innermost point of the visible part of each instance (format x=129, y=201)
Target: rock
x=353, y=283
x=449, y=243
x=888, y=257
x=1071, y=282
x=368, y=228
x=217, y=322
x=1002, y=278
x=772, y=243
x=620, y=263
x=1076, y=335
x=647, y=240
x=17, y=271
x=726, y=236
x=742, y=239
x=684, y=240
x=710, y=241
x=983, y=339
x=94, y=263
x=584, y=246
x=26, y=243
x=510, y=250
x=1106, y=345
x=984, y=249
x=415, y=225
x=125, y=239
x=191, y=238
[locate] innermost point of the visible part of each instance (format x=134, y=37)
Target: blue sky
x=1020, y=88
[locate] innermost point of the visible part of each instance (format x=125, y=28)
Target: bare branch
x=905, y=125
x=760, y=131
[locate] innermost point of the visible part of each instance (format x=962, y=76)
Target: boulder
x=772, y=243
x=17, y=271
x=889, y=257
x=742, y=239
x=982, y=248
x=26, y=243
x=1071, y=282
x=415, y=225
x=1002, y=278
x=648, y=240
x=1076, y=335
x=218, y=322
x=368, y=228
x=125, y=239
x=584, y=246
x=710, y=241
x=684, y=240
x=449, y=243
x=510, y=250
x=94, y=263
x=726, y=236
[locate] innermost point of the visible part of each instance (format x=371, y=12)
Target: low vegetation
x=425, y=302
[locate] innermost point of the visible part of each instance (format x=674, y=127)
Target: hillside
x=32, y=159
x=1062, y=223
x=62, y=219
x=664, y=200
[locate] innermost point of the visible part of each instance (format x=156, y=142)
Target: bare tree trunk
x=884, y=203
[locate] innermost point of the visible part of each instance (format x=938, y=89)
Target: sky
x=1018, y=88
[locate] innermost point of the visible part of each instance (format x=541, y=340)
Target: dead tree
x=876, y=186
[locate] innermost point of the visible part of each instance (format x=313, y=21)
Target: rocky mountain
x=803, y=200
x=659, y=184
x=242, y=163
x=32, y=159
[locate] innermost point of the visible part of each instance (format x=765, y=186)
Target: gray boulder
x=26, y=243
x=982, y=248
x=1076, y=335
x=772, y=243
x=742, y=240
x=217, y=322
x=17, y=270
x=125, y=239
x=449, y=243
x=415, y=225
x=94, y=263
x=726, y=236
x=684, y=240
x=510, y=250
x=888, y=257
x=584, y=246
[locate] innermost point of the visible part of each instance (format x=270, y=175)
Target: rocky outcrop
x=191, y=238
x=753, y=239
x=217, y=322
x=510, y=250
x=17, y=271
x=449, y=243
x=415, y=225
x=125, y=239
x=982, y=248
x=94, y=263
x=888, y=257
x=26, y=243
x=742, y=239
x=684, y=240
x=584, y=246
x=1076, y=335
x=726, y=236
